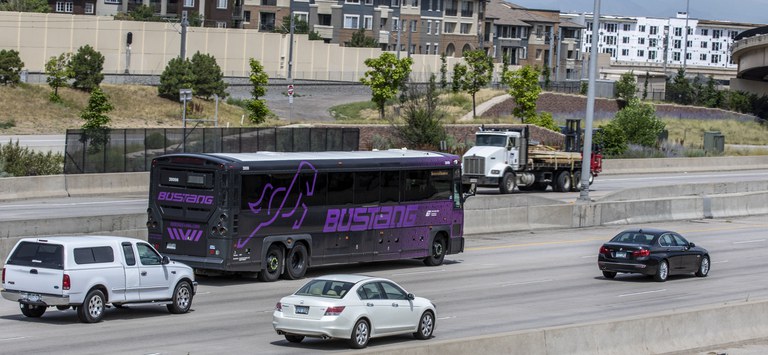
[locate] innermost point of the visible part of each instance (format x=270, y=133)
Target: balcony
x=324, y=31
x=451, y=12
x=466, y=13
x=268, y=2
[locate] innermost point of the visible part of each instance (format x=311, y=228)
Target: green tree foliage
x=738, y=101
x=25, y=6
x=546, y=73
x=385, y=76
x=709, y=96
x=524, y=89
x=86, y=66
x=177, y=75
x=544, y=119
x=257, y=108
x=457, y=81
x=10, y=67
x=680, y=90
x=315, y=36
x=504, y=65
x=443, y=71
x=584, y=88
x=422, y=127
x=96, y=126
x=639, y=123
x=58, y=71
x=208, y=79
x=479, y=71
x=299, y=26
x=21, y=161
x=359, y=39
x=645, y=85
x=626, y=87
x=611, y=139
x=143, y=13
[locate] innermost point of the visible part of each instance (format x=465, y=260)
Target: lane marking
x=444, y=318
x=642, y=293
x=525, y=283
x=719, y=262
x=418, y=272
x=686, y=177
x=588, y=256
x=750, y=241
x=15, y=338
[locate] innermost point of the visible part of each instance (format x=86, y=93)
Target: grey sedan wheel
x=360, y=335
x=703, y=267
x=662, y=272
x=426, y=326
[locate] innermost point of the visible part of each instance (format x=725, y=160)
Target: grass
x=26, y=109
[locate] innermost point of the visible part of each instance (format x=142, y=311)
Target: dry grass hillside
x=26, y=109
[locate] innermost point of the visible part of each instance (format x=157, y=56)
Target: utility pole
x=184, y=24
x=685, y=45
x=399, y=27
x=290, y=46
x=410, y=31
x=586, y=158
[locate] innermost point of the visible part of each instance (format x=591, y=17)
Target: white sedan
x=355, y=308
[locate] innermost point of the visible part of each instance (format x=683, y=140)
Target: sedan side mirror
x=411, y=296
x=691, y=245
x=166, y=260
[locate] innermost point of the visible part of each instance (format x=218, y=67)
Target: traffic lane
x=501, y=283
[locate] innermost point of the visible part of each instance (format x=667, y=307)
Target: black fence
x=131, y=150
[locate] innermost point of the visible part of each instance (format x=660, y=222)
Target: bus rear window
x=186, y=179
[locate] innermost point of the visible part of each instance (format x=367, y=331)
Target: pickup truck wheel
x=273, y=264
x=296, y=262
x=563, y=182
x=507, y=183
x=32, y=311
x=92, y=310
x=182, y=298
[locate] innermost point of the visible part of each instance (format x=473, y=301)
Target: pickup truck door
x=153, y=275
x=132, y=280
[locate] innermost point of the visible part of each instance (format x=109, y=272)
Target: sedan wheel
x=609, y=274
x=426, y=326
x=360, y=335
x=662, y=272
x=703, y=267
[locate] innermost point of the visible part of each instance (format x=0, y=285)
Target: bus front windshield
x=491, y=140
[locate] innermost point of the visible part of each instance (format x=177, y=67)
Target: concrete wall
x=679, y=165
x=53, y=186
x=692, y=329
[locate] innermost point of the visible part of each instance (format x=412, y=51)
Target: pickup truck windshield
x=490, y=140
x=49, y=256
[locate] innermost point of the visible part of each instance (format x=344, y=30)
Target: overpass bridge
x=750, y=51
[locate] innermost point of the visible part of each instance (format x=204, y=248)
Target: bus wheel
x=273, y=264
x=436, y=252
x=296, y=262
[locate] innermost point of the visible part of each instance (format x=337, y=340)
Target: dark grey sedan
x=654, y=252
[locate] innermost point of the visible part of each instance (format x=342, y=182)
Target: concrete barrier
x=678, y=165
x=19, y=188
x=53, y=186
x=697, y=328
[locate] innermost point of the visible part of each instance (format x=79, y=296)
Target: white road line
x=719, y=262
x=750, y=241
x=418, y=272
x=15, y=338
x=7, y=207
x=526, y=283
x=589, y=256
x=444, y=318
x=642, y=293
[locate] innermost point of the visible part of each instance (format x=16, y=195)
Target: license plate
x=170, y=246
x=302, y=310
x=473, y=180
x=31, y=297
x=621, y=254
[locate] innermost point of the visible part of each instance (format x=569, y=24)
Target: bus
x=278, y=213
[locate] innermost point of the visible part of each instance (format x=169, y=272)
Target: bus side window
x=416, y=184
x=340, y=188
x=252, y=188
x=367, y=187
x=440, y=185
x=390, y=186
x=320, y=189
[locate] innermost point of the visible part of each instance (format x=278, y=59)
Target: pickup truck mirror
x=166, y=260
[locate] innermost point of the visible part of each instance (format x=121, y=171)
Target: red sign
x=290, y=90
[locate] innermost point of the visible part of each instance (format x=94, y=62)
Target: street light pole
x=290, y=45
x=685, y=48
x=586, y=159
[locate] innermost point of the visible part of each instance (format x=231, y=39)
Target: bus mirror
x=469, y=190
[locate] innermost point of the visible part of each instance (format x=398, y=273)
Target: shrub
x=208, y=80
x=639, y=123
x=86, y=66
x=21, y=161
x=10, y=67
x=177, y=75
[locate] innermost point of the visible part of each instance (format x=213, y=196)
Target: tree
x=626, y=87
x=386, y=75
x=257, y=108
x=645, y=85
x=96, y=126
x=143, y=13
x=25, y=6
x=524, y=89
x=457, y=81
x=679, y=90
x=504, y=65
x=10, y=67
x=544, y=119
x=299, y=26
x=58, y=71
x=710, y=96
x=443, y=71
x=177, y=75
x=611, y=139
x=86, y=66
x=639, y=123
x=359, y=39
x=479, y=71
x=422, y=128
x=546, y=73
x=208, y=80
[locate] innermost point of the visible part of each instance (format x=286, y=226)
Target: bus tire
x=436, y=252
x=563, y=182
x=273, y=264
x=296, y=262
x=507, y=183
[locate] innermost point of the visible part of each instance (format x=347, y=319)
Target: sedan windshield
x=633, y=238
x=325, y=288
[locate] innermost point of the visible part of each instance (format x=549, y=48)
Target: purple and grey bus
x=279, y=213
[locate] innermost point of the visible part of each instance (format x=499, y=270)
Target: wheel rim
x=510, y=184
x=272, y=262
x=437, y=249
x=95, y=307
x=426, y=325
x=663, y=270
x=182, y=297
x=704, y=266
x=361, y=333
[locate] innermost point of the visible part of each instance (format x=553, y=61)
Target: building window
x=352, y=21
x=715, y=33
x=395, y=3
x=703, y=56
x=369, y=2
x=641, y=40
x=627, y=27
x=466, y=8
x=640, y=53
x=437, y=31
x=352, y=2
x=324, y=19
x=89, y=6
x=221, y=4
x=625, y=40
x=395, y=24
x=689, y=44
x=189, y=3
x=589, y=26
x=414, y=3
x=715, y=46
x=247, y=16
x=704, y=32
x=221, y=24
x=426, y=48
x=688, y=56
x=368, y=22
x=676, y=56
x=449, y=27
x=610, y=27
x=610, y=40
x=301, y=16
x=678, y=31
x=676, y=44
x=429, y=31
x=589, y=39
x=611, y=51
x=414, y=25
x=734, y=34
x=113, y=2
x=704, y=44
x=654, y=30
x=651, y=55
x=64, y=6
x=625, y=52
x=465, y=28
x=653, y=42
x=689, y=31
x=715, y=58
x=641, y=28
x=538, y=54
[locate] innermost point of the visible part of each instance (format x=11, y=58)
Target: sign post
x=290, y=101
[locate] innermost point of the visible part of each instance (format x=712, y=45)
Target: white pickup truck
x=88, y=273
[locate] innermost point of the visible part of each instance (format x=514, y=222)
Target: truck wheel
x=182, y=298
x=591, y=179
x=507, y=184
x=540, y=186
x=296, y=262
x=32, y=311
x=563, y=182
x=273, y=264
x=92, y=309
x=576, y=182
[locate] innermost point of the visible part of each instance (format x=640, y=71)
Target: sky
x=749, y=11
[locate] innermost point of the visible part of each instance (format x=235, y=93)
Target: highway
x=501, y=283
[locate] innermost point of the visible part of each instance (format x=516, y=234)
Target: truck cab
x=494, y=159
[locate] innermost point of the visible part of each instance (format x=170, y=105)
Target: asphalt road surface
x=503, y=282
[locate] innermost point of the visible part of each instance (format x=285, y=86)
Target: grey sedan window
x=680, y=241
x=393, y=292
x=666, y=240
x=369, y=291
